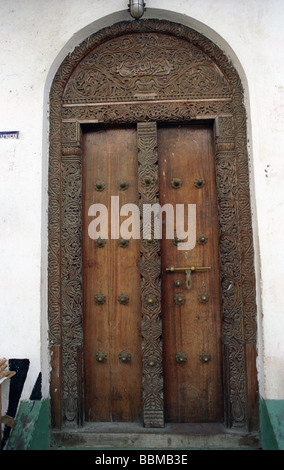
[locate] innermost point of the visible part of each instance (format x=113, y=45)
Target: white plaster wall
x=35, y=37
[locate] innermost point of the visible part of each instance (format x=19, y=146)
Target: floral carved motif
x=133, y=66
x=153, y=406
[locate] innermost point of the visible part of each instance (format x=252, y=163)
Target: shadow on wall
x=21, y=367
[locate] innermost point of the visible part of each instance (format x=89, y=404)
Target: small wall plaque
x=9, y=134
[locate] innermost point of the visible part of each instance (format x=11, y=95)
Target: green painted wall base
x=32, y=430
x=32, y=427
x=272, y=424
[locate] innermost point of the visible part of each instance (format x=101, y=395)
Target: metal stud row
x=122, y=242
x=176, y=183
x=122, y=185
x=181, y=357
x=124, y=357
x=179, y=299
x=100, y=299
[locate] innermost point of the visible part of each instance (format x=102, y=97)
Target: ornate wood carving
x=71, y=269
x=233, y=341
x=71, y=277
x=153, y=405
x=149, y=70
x=148, y=111
x=145, y=65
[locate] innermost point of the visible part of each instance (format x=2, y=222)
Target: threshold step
x=172, y=436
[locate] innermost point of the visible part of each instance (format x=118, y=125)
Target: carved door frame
x=227, y=111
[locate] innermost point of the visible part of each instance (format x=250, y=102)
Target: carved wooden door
x=112, y=319
x=191, y=299
x=152, y=335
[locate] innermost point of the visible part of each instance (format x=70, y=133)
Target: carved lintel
x=166, y=110
x=166, y=71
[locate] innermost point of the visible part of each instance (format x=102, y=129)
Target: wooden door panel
x=112, y=388
x=192, y=390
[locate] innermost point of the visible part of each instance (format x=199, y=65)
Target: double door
x=115, y=375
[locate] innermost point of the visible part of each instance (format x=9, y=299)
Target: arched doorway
x=152, y=83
